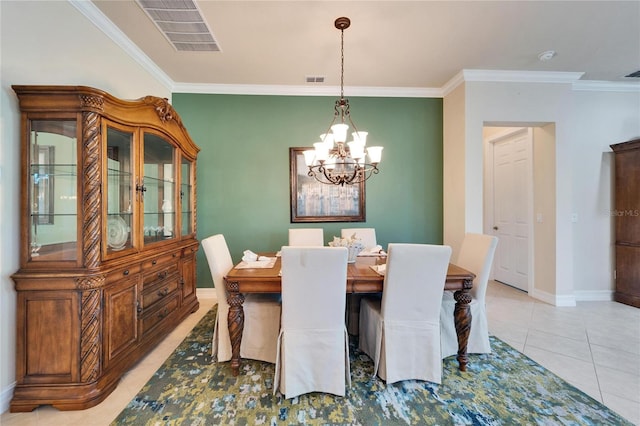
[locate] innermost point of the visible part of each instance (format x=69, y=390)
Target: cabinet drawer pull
x=154, y=261
x=163, y=313
x=163, y=292
x=174, y=255
x=162, y=274
x=126, y=272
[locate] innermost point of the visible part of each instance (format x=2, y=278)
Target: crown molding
x=453, y=83
x=254, y=89
x=501, y=76
x=521, y=76
x=95, y=15
x=606, y=86
x=414, y=92
x=572, y=78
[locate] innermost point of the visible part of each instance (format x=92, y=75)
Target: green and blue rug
x=501, y=388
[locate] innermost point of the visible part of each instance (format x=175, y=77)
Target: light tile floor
x=595, y=346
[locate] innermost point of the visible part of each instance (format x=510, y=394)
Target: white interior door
x=512, y=182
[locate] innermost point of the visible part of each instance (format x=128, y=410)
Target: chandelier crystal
x=334, y=161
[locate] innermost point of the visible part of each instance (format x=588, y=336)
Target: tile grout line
x=593, y=361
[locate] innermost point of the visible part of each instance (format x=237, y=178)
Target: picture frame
x=313, y=201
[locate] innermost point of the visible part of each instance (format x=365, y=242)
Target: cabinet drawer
x=160, y=311
x=162, y=290
x=119, y=274
x=161, y=261
x=188, y=251
x=152, y=278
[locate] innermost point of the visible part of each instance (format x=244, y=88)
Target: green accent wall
x=243, y=167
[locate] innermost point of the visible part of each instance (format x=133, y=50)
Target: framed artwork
x=312, y=201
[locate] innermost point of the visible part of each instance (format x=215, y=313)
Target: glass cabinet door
x=159, y=194
x=53, y=185
x=186, y=195
x=119, y=188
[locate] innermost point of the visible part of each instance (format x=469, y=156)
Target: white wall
x=544, y=204
x=586, y=123
x=605, y=118
x=453, y=153
x=46, y=42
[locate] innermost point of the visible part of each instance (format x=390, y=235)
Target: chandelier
x=334, y=161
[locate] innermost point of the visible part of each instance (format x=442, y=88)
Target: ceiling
x=392, y=44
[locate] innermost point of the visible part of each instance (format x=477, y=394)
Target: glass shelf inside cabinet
x=119, y=188
x=159, y=219
x=186, y=193
x=159, y=213
x=53, y=177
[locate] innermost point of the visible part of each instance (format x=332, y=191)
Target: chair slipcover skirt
x=298, y=376
x=261, y=327
x=261, y=311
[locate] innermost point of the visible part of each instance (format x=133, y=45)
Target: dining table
x=361, y=278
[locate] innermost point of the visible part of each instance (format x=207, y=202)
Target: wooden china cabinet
x=107, y=256
x=627, y=222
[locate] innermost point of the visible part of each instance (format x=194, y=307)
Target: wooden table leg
x=235, y=319
x=462, y=319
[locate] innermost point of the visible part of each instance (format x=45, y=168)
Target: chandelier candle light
x=334, y=161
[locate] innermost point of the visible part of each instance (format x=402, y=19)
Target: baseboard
x=206, y=293
x=5, y=397
x=553, y=299
x=594, y=296
x=578, y=296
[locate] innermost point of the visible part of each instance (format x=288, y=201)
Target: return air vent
x=634, y=74
x=315, y=78
x=181, y=23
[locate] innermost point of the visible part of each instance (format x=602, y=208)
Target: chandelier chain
x=342, y=63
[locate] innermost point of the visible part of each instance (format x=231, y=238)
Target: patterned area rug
x=501, y=388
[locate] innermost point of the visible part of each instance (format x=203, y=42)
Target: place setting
x=251, y=260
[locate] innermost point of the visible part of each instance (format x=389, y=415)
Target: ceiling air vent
x=181, y=23
x=634, y=74
x=315, y=78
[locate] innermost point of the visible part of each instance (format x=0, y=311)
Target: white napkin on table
x=373, y=251
x=250, y=256
x=380, y=269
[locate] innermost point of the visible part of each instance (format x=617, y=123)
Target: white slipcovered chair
x=476, y=255
x=366, y=235
x=401, y=331
x=306, y=237
x=261, y=311
x=313, y=347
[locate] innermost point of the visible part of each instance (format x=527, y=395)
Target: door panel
x=512, y=176
x=121, y=319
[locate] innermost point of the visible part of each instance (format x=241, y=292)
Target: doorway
x=512, y=200
x=520, y=200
